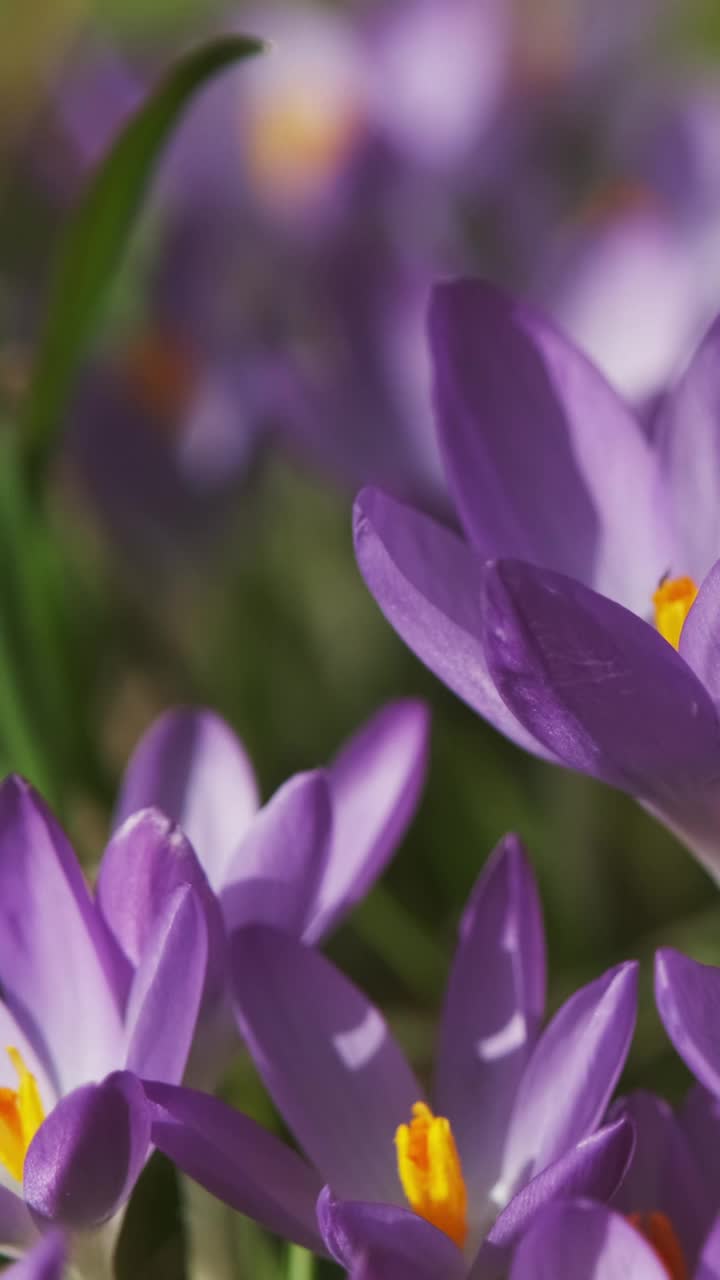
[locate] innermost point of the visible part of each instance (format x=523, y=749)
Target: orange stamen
x=660, y=1234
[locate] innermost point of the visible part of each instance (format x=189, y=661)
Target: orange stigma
x=660, y=1233
x=430, y=1172
x=21, y=1114
x=673, y=601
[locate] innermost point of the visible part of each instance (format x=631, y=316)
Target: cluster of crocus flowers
x=578, y=612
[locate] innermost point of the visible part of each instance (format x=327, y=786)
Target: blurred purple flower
x=521, y=1107
x=188, y=814
x=82, y=1026
x=606, y=524
x=45, y=1261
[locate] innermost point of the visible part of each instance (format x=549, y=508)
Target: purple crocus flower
x=45, y=1261
x=80, y=1027
x=592, y=644
x=188, y=813
x=514, y=1112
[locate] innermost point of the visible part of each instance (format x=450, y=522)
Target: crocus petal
x=709, y=1265
x=84, y=1160
x=17, y=1229
x=430, y=586
x=687, y=437
x=148, y=858
x=596, y=684
x=354, y=1231
x=167, y=991
x=237, y=1161
x=273, y=877
x=594, y=1168
x=571, y=1075
x=191, y=765
x=327, y=1058
x=495, y=1000
x=544, y=460
x=588, y=1242
x=700, y=636
x=375, y=782
x=699, y=1118
x=688, y=1000
x=55, y=957
x=46, y=1261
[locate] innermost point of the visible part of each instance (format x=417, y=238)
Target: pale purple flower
x=189, y=814
x=45, y=1261
x=556, y=644
x=524, y=1104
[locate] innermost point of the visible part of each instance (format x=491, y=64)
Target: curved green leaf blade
x=95, y=240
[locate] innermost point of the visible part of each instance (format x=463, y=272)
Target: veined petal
x=45, y=1261
x=495, y=1000
x=85, y=1158
x=431, y=587
x=585, y=1241
x=191, y=765
x=571, y=1074
x=237, y=1161
x=55, y=955
x=355, y=1231
x=688, y=999
x=545, y=461
x=167, y=991
x=375, y=783
x=327, y=1058
x=273, y=877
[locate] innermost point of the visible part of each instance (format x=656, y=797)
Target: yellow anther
x=430, y=1172
x=660, y=1233
x=21, y=1114
x=673, y=601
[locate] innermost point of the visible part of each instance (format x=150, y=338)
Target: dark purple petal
x=85, y=1158
x=327, y=1058
x=594, y=1168
x=699, y=1118
x=688, y=999
x=273, y=877
x=237, y=1161
x=700, y=636
x=688, y=444
x=375, y=782
x=602, y=689
x=585, y=1241
x=45, y=1261
x=354, y=1232
x=495, y=1000
x=147, y=859
x=571, y=1074
x=191, y=765
x=545, y=461
x=167, y=991
x=431, y=588
x=55, y=955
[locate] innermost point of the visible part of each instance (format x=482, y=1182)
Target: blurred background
x=263, y=357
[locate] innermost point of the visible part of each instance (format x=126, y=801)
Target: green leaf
x=95, y=240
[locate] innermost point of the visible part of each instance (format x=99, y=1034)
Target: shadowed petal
x=571, y=1075
x=146, y=860
x=85, y=1158
x=355, y=1231
x=273, y=877
x=375, y=782
x=495, y=1000
x=699, y=1118
x=191, y=765
x=327, y=1059
x=167, y=991
x=545, y=461
x=17, y=1229
x=46, y=1261
x=55, y=956
x=431, y=588
x=687, y=439
x=688, y=1000
x=237, y=1161
x=597, y=685
x=594, y=1168
x=585, y=1241
x=700, y=636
